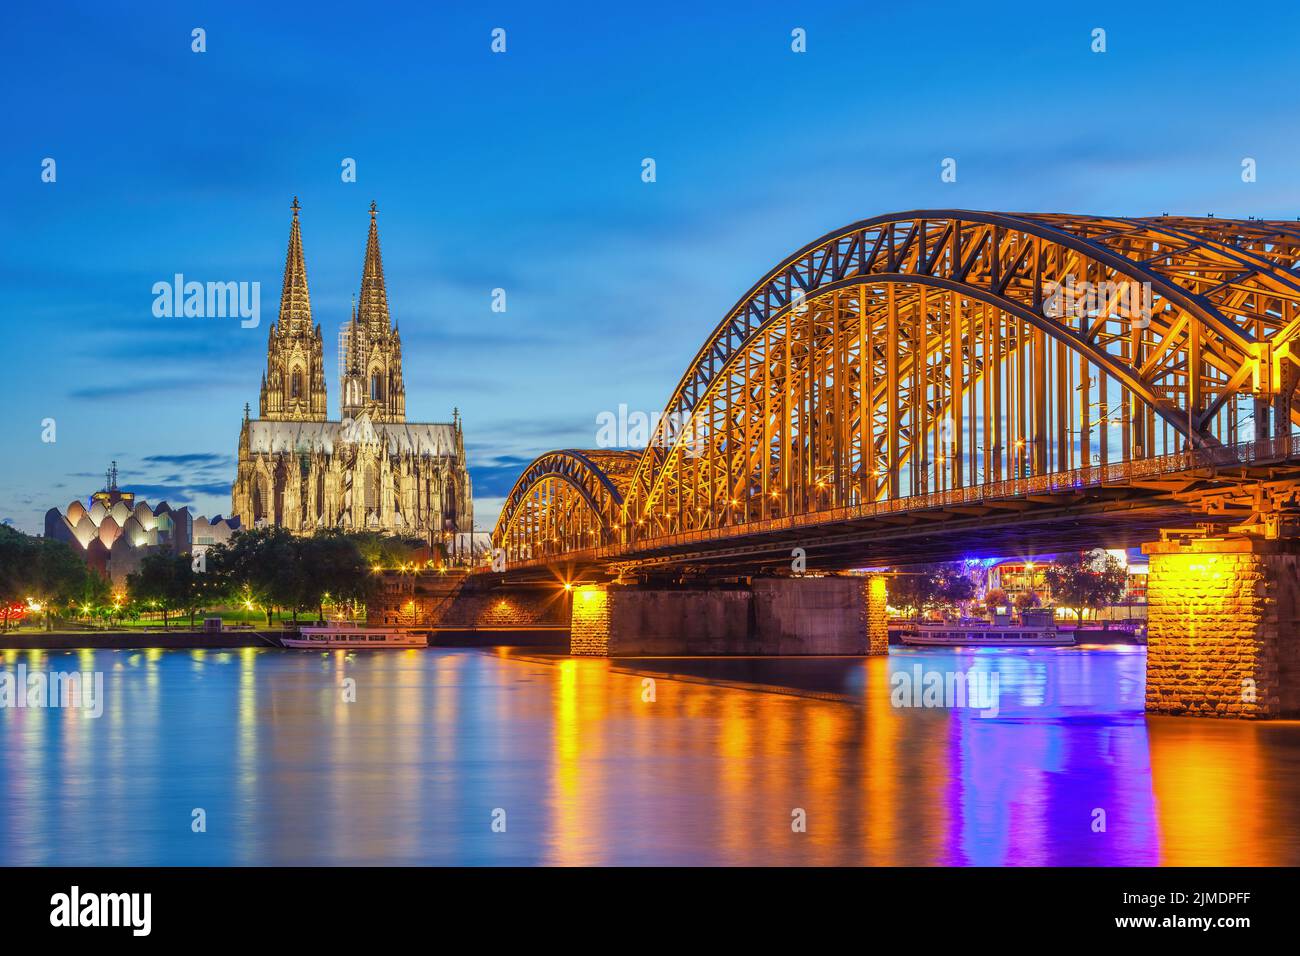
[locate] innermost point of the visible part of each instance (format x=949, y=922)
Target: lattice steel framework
x=565, y=501
x=931, y=351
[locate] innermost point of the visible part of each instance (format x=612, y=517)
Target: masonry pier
x=1223, y=629
x=779, y=616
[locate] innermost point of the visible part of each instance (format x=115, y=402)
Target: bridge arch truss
x=933, y=351
x=564, y=501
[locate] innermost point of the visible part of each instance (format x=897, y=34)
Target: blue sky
x=522, y=171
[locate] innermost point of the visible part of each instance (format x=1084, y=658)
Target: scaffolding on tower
x=352, y=358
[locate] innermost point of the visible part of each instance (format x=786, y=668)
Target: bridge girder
x=564, y=500
x=930, y=351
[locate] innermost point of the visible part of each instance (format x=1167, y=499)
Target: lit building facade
x=370, y=470
x=1017, y=576
x=116, y=531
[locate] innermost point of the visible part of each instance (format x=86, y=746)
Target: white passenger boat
x=1035, y=630
x=331, y=636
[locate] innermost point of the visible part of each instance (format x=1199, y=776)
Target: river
x=482, y=757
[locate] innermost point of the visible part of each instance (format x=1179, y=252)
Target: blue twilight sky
x=522, y=171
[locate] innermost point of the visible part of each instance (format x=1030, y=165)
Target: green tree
x=954, y=584
x=335, y=568
x=17, y=563
x=276, y=570
x=163, y=582
x=931, y=585
x=914, y=589
x=387, y=551
x=1082, y=581
x=95, y=594
x=265, y=564
x=995, y=598
x=43, y=571
x=208, y=585
x=1026, y=600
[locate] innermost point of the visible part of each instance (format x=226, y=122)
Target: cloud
x=194, y=458
x=179, y=493
x=179, y=386
x=498, y=476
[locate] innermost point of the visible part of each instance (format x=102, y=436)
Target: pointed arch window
x=259, y=505
x=449, y=505
x=376, y=386
x=295, y=384
x=372, y=486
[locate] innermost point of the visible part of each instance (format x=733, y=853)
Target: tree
x=61, y=575
x=94, y=594
x=205, y=587
x=1027, y=599
x=1082, y=581
x=263, y=563
x=277, y=569
x=931, y=585
x=954, y=584
x=42, y=571
x=994, y=599
x=17, y=560
x=913, y=590
x=335, y=569
x=387, y=551
x=164, y=581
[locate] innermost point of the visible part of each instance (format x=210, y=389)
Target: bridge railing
x=1277, y=449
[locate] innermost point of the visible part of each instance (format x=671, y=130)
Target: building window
x=449, y=505
x=295, y=384
x=372, y=487
x=376, y=387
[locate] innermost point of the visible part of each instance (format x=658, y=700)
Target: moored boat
x=1036, y=629
x=331, y=636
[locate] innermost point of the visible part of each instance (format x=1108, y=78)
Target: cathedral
x=372, y=469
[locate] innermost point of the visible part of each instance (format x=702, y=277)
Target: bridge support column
x=589, y=621
x=1223, y=629
x=772, y=616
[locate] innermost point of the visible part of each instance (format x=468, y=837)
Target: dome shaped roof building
x=116, y=531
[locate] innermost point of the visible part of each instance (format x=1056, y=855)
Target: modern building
x=1018, y=576
x=209, y=532
x=116, y=531
x=371, y=469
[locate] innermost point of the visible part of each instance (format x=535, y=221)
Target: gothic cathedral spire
x=299, y=470
x=374, y=296
x=293, y=388
x=372, y=382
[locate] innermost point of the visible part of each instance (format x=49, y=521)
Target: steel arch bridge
x=943, y=359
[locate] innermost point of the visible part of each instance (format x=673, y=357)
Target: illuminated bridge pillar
x=1223, y=635
x=771, y=616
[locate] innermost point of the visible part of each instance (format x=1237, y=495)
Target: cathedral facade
x=369, y=470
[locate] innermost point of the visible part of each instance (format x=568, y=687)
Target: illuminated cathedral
x=371, y=469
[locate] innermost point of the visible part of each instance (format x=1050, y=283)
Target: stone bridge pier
x=1223, y=628
x=802, y=615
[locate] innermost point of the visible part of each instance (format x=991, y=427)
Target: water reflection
x=405, y=757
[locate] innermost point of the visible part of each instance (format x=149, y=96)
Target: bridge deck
x=1116, y=505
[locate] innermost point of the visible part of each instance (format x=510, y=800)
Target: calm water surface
x=590, y=772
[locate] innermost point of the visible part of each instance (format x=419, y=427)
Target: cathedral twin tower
x=372, y=470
